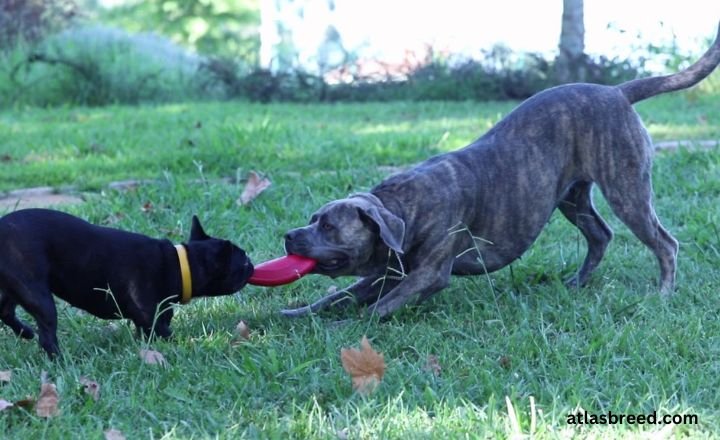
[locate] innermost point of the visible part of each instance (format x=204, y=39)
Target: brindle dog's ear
x=196, y=231
x=392, y=227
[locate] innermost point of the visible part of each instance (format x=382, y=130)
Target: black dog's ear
x=392, y=227
x=196, y=231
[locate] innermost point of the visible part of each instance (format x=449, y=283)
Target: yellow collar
x=185, y=272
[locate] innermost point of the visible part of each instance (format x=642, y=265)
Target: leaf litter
x=152, y=357
x=254, y=186
x=47, y=402
x=366, y=366
x=90, y=387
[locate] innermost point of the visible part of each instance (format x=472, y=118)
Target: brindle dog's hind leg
x=630, y=197
x=638, y=214
x=577, y=207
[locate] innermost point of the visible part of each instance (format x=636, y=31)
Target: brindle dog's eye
x=325, y=226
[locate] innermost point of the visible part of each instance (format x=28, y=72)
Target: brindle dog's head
x=347, y=236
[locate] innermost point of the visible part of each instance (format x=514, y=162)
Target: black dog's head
x=348, y=236
x=218, y=267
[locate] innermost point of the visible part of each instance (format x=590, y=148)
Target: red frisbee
x=283, y=270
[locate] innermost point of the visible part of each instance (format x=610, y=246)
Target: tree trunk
x=570, y=63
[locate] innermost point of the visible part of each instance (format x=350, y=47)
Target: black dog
x=107, y=272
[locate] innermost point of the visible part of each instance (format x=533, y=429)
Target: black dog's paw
x=26, y=333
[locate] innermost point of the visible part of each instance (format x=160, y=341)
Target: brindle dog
x=475, y=210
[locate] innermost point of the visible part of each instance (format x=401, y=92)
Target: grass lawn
x=517, y=351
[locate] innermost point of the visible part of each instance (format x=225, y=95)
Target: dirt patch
x=42, y=197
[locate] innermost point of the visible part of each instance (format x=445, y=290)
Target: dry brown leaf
x=5, y=376
x=114, y=434
x=366, y=367
x=153, y=357
x=47, y=403
x=90, y=387
x=254, y=186
x=505, y=362
x=432, y=364
x=27, y=403
x=4, y=404
x=242, y=330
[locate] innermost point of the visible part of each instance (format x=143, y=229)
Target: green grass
x=613, y=346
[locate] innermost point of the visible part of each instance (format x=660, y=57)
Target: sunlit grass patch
x=496, y=342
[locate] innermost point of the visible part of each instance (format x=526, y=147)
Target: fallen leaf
x=254, y=186
x=505, y=362
x=5, y=376
x=27, y=403
x=4, y=404
x=47, y=403
x=365, y=366
x=242, y=330
x=90, y=387
x=432, y=364
x=113, y=218
x=113, y=434
x=147, y=207
x=153, y=357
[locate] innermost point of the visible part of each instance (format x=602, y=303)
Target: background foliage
x=31, y=20
x=179, y=50
x=221, y=28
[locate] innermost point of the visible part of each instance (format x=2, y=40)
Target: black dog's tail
x=639, y=89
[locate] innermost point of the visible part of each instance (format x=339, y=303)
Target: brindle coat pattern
x=476, y=210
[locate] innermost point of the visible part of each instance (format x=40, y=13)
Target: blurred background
x=99, y=52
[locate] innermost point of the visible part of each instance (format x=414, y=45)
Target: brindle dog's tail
x=639, y=89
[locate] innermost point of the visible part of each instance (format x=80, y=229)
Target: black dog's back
x=52, y=247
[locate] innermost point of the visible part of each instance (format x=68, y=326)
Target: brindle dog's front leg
x=370, y=289
x=362, y=292
x=318, y=305
x=424, y=281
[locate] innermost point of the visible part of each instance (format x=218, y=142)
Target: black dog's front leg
x=152, y=326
